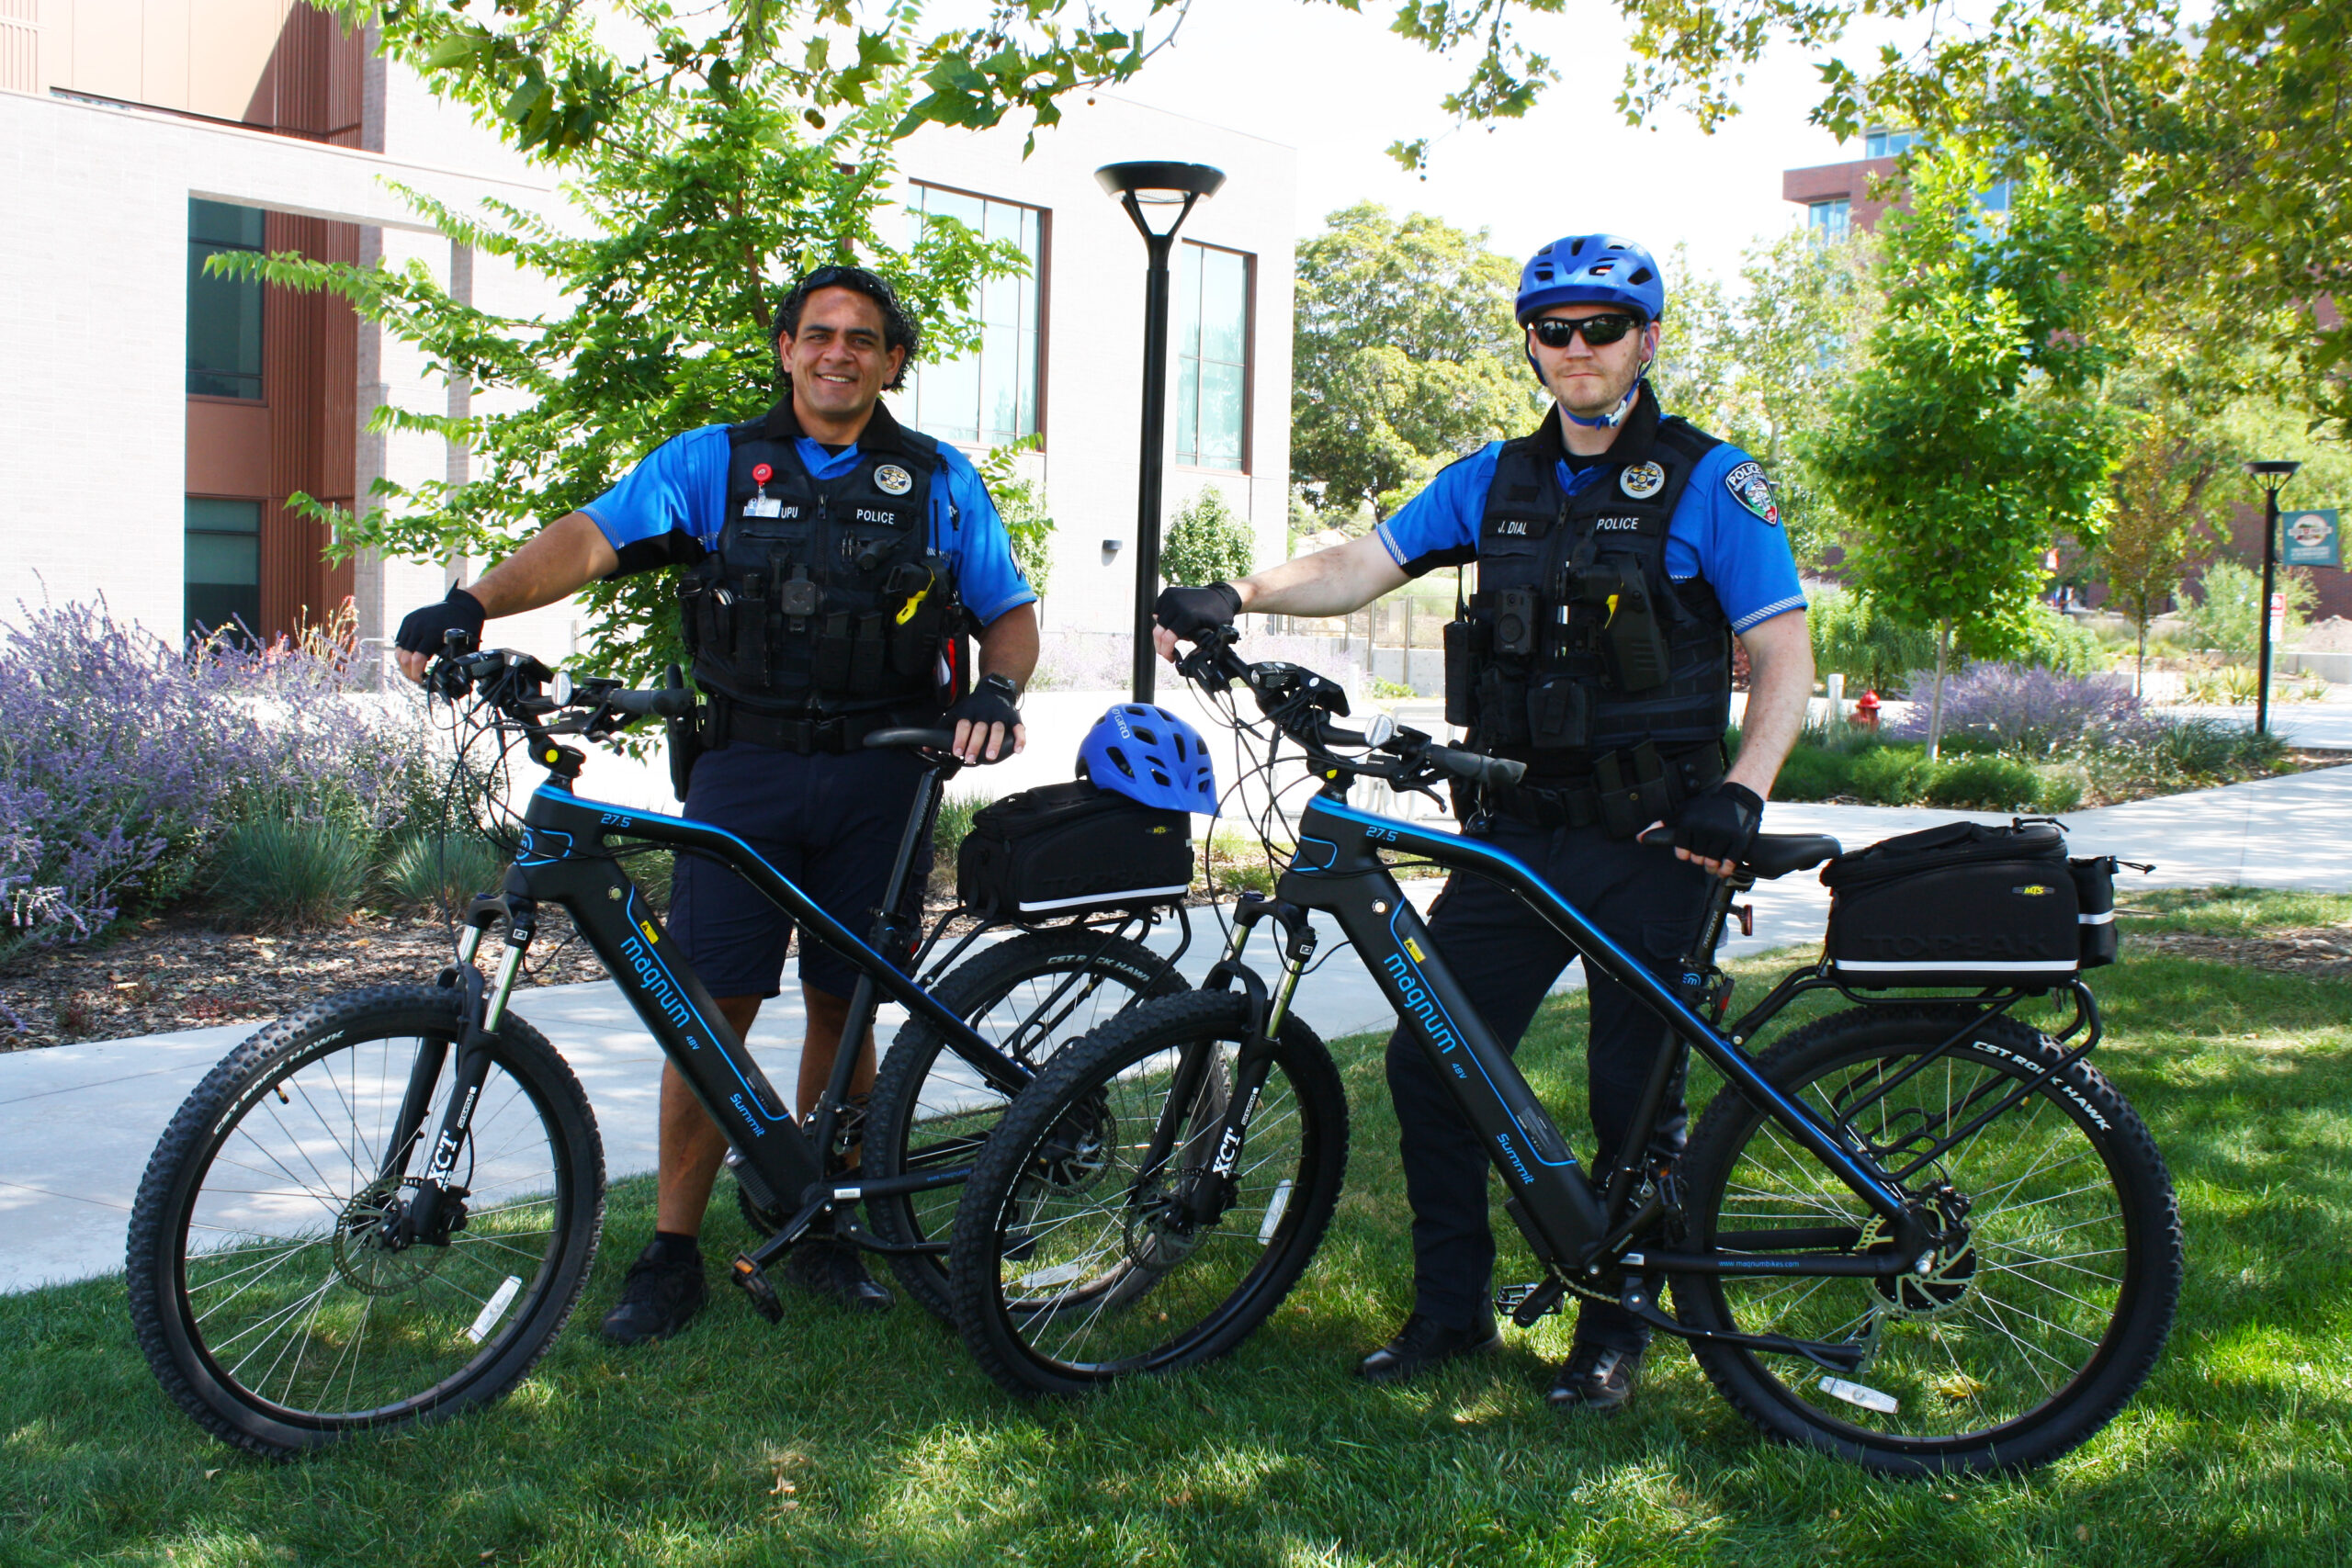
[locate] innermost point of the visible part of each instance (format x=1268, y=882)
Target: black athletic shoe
x=659, y=1298
x=1423, y=1343
x=1596, y=1380
x=827, y=1266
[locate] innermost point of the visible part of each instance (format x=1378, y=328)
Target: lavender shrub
x=2025, y=712
x=123, y=758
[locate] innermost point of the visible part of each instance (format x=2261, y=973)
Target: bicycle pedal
x=754, y=1281
x=1524, y=1303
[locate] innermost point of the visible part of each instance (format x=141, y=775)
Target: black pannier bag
x=2095, y=907
x=1960, y=905
x=1071, y=848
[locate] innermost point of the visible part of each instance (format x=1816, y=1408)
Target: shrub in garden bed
x=125, y=759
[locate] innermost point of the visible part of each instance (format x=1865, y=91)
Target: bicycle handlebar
x=924, y=739
x=657, y=703
x=1473, y=767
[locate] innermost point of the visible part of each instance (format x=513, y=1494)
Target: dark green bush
x=274, y=873
x=1890, y=775
x=1982, y=783
x=442, y=870
x=1814, y=772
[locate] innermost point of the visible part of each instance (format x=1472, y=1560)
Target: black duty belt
x=1625, y=792
x=725, y=723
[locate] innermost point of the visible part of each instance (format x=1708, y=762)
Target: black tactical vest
x=1576, y=642
x=823, y=596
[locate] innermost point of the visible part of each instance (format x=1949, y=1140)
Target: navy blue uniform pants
x=1506, y=960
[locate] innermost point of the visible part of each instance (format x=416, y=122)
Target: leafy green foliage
x=272, y=872
x=2228, y=610
x=1406, y=355
x=441, y=871
x=1964, y=447
x=1021, y=503
x=713, y=171
x=1206, y=543
x=1854, y=638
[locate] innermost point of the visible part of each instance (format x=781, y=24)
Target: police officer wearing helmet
x=830, y=561
x=1620, y=551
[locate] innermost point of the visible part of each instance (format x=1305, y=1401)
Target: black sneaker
x=1424, y=1343
x=660, y=1297
x=1596, y=1380
x=829, y=1267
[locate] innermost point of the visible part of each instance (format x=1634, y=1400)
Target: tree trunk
x=2140, y=661
x=1935, y=703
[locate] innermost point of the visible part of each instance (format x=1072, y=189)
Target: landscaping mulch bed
x=180, y=971
x=2311, y=950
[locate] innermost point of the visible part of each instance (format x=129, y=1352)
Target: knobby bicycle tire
x=1072, y=1264
x=261, y=1291
x=1028, y=996
x=2033, y=1327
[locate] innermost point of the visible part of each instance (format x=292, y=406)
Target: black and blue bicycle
x=1919, y=1234
x=385, y=1205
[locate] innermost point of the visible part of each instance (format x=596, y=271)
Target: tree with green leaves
x=1966, y=444
x=1405, y=355
x=1207, y=542
x=700, y=178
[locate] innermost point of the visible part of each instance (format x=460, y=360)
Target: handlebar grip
x=659, y=703
x=930, y=739
x=1473, y=768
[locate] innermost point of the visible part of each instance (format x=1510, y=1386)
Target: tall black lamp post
x=2272, y=476
x=1138, y=185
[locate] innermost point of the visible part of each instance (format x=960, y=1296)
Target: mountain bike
x=1918, y=1234
x=385, y=1205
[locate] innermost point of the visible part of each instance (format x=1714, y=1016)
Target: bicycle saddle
x=1777, y=854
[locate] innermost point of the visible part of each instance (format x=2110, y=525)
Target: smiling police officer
x=1619, y=553
x=831, y=560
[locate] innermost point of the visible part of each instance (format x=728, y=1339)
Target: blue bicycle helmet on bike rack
x=1149, y=755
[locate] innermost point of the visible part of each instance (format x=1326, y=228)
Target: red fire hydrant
x=1866, y=710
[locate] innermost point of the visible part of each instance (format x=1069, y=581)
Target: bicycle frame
x=1339, y=868
x=564, y=859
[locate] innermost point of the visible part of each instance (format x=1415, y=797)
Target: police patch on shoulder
x=1752, y=489
x=1642, y=480
x=892, y=479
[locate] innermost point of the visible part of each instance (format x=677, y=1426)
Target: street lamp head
x=2272, y=476
x=1142, y=185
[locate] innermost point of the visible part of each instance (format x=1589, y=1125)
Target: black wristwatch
x=1001, y=684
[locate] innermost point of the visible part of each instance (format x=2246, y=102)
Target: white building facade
x=153, y=421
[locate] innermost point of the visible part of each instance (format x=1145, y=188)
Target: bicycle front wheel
x=272, y=1293
x=1096, y=1239
x=1028, y=997
x=2040, y=1313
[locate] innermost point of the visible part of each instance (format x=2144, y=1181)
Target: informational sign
x=2311, y=539
x=2278, y=617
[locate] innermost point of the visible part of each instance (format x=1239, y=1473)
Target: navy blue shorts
x=829, y=822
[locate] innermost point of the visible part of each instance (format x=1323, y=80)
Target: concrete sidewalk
x=77, y=1123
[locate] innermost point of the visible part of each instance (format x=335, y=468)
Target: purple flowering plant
x=2030, y=713
x=123, y=757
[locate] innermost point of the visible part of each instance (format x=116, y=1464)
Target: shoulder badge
x=892, y=479
x=1752, y=489
x=1642, y=480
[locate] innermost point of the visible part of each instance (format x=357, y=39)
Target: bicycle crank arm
x=868, y=1240
x=1840, y=1358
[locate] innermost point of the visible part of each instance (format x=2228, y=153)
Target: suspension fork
x=1208, y=1197
x=485, y=1009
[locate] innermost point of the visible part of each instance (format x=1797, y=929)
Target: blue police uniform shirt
x=680, y=487
x=1713, y=534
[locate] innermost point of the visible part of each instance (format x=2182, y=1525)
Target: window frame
x=260, y=376
x=1249, y=369
x=1041, y=278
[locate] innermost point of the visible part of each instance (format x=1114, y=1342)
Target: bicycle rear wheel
x=272, y=1298
x=1076, y=1260
x=2039, y=1317
x=1029, y=996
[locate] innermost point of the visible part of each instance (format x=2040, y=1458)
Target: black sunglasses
x=1555, y=331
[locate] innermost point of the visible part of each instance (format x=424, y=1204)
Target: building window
x=1830, y=221
x=1211, y=357
x=1994, y=197
x=224, y=565
x=1880, y=142
x=224, y=313
x=987, y=397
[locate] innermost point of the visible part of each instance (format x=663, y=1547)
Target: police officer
x=1619, y=553
x=830, y=560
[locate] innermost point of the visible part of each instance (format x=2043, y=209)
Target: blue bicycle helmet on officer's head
x=1592, y=269
x=1149, y=755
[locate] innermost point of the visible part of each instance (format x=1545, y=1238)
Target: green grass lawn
x=838, y=1441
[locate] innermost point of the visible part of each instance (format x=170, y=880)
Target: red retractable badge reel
x=761, y=475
